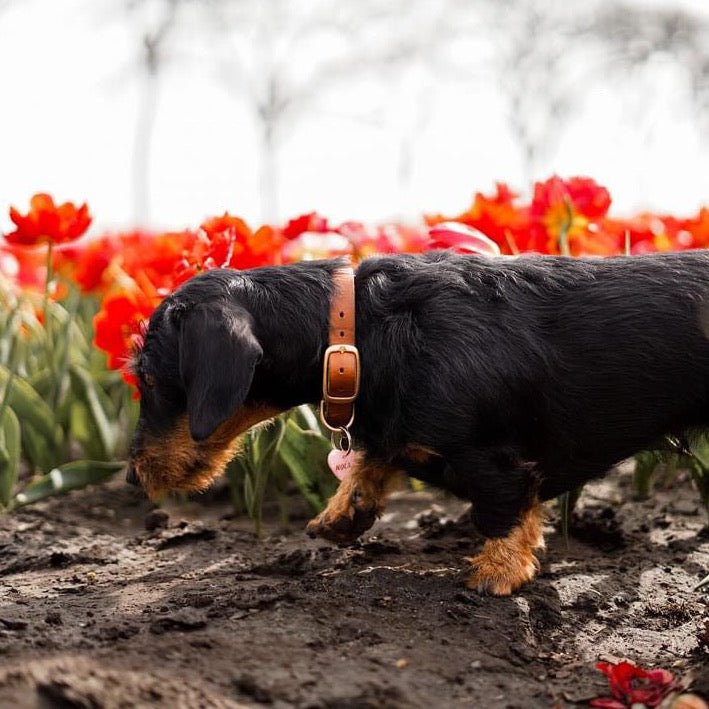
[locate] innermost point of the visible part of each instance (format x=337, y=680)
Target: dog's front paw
x=501, y=577
x=346, y=517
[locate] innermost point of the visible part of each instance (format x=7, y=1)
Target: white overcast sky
x=69, y=106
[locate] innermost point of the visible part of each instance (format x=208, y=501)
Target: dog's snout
x=132, y=476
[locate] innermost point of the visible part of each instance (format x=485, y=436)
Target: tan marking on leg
x=418, y=453
x=505, y=564
x=358, y=502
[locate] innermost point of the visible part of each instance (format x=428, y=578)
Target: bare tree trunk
x=147, y=113
x=421, y=111
x=525, y=141
x=270, y=114
x=269, y=173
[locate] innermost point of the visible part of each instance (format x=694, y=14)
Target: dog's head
x=194, y=373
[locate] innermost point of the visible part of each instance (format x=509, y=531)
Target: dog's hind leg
x=358, y=502
x=505, y=563
x=503, y=490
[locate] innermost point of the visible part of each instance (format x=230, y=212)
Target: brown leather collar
x=341, y=367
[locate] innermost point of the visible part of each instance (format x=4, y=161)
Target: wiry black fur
x=527, y=375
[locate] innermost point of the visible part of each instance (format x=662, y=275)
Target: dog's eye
x=149, y=381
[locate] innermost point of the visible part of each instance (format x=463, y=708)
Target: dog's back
x=573, y=363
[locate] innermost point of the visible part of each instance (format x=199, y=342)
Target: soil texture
x=106, y=602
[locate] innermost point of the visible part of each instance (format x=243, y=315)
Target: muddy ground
x=97, y=611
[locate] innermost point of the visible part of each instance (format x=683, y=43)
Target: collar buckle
x=341, y=374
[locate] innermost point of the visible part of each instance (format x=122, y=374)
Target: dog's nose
x=132, y=476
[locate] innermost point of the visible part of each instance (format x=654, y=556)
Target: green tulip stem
x=45, y=306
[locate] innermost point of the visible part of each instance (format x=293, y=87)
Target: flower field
x=75, y=306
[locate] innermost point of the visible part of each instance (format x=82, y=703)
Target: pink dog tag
x=341, y=462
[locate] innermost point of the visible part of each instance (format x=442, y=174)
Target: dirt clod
x=156, y=519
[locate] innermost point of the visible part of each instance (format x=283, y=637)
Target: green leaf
x=9, y=334
x=98, y=405
x=259, y=453
x=306, y=418
x=70, y=476
x=42, y=382
x=236, y=473
x=305, y=455
x=264, y=441
x=83, y=431
x=700, y=476
x=567, y=502
x=646, y=463
x=29, y=405
x=10, y=449
x=249, y=494
x=699, y=448
x=40, y=453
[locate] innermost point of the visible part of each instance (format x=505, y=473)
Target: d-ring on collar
x=341, y=366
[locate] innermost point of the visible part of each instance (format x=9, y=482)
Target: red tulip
x=47, y=222
x=633, y=685
x=569, y=211
x=118, y=326
x=306, y=222
x=228, y=242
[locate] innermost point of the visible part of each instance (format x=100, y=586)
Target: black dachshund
x=506, y=381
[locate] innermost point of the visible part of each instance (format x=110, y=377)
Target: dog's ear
x=218, y=355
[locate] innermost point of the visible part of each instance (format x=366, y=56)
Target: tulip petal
x=462, y=239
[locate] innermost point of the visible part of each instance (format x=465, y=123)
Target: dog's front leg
x=357, y=504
